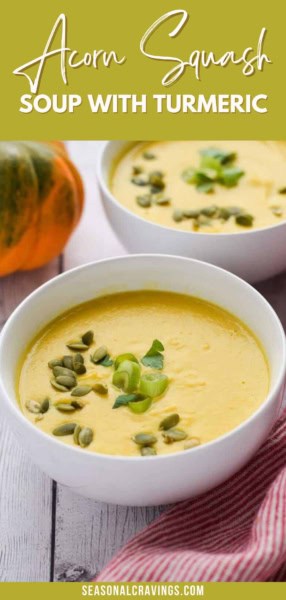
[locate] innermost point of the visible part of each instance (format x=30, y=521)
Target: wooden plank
x=25, y=492
x=89, y=533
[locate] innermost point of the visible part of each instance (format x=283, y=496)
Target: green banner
x=158, y=591
x=173, y=69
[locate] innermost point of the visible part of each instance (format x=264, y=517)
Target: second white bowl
x=254, y=254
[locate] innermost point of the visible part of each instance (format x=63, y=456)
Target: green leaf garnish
x=199, y=176
x=230, y=176
x=106, y=361
x=216, y=166
x=153, y=358
x=155, y=362
x=189, y=175
x=221, y=157
x=205, y=188
x=125, y=399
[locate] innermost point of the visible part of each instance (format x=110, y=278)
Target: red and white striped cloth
x=236, y=532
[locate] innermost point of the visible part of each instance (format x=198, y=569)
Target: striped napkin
x=236, y=532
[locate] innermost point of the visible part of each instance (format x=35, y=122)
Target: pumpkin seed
x=192, y=443
x=79, y=368
x=174, y=435
x=148, y=155
x=277, y=211
x=99, y=354
x=58, y=371
x=136, y=170
x=56, y=362
x=87, y=338
x=66, y=381
x=85, y=437
x=224, y=214
x=163, y=201
x=76, y=434
x=77, y=405
x=144, y=201
x=81, y=390
x=234, y=210
x=209, y=211
x=68, y=362
x=101, y=389
x=144, y=439
x=78, y=358
x=156, y=181
x=45, y=405
x=191, y=213
x=169, y=422
x=38, y=418
x=244, y=220
x=229, y=211
x=69, y=406
x=58, y=386
x=203, y=220
x=178, y=216
x=148, y=451
x=282, y=190
x=33, y=407
x=65, y=429
x=157, y=189
x=158, y=174
x=140, y=180
x=77, y=345
x=65, y=407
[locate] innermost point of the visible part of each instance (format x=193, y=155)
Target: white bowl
x=141, y=480
x=254, y=254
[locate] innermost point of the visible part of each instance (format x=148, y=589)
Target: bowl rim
x=198, y=234
x=18, y=414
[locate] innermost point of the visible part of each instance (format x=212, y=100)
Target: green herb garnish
x=122, y=357
x=127, y=376
x=144, y=201
x=215, y=156
x=205, y=188
x=230, y=176
x=140, y=406
x=153, y=384
x=106, y=361
x=216, y=166
x=153, y=358
x=125, y=399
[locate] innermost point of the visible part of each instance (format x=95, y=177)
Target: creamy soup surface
x=210, y=187
x=216, y=369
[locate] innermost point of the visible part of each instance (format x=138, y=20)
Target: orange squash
x=41, y=201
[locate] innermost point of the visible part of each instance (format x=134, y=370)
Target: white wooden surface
x=47, y=532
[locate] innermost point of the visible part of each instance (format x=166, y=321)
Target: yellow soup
x=205, y=374
x=210, y=187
